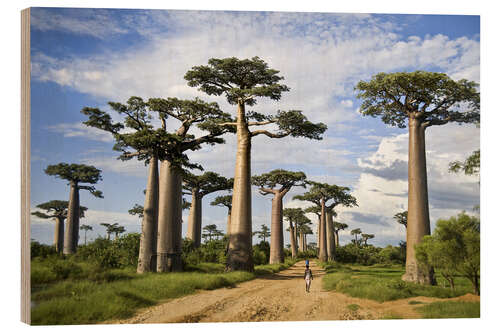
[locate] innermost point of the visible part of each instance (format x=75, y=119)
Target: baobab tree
x=402, y=218
x=303, y=229
x=207, y=117
x=294, y=216
x=470, y=166
x=75, y=174
x=161, y=227
x=85, y=228
x=418, y=100
x=366, y=237
x=330, y=233
x=242, y=82
x=278, y=183
x=355, y=233
x=317, y=211
x=327, y=197
x=211, y=231
x=110, y=228
x=199, y=186
x=263, y=233
x=225, y=201
x=337, y=226
x=57, y=210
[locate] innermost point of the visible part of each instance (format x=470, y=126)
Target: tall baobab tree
x=242, y=82
x=85, y=228
x=278, y=183
x=366, y=237
x=327, y=197
x=225, y=201
x=57, y=210
x=162, y=218
x=75, y=174
x=198, y=187
x=302, y=230
x=330, y=233
x=337, y=226
x=355, y=233
x=402, y=218
x=418, y=100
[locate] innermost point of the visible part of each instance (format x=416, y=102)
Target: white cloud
x=71, y=130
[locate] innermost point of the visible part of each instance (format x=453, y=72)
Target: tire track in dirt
x=278, y=297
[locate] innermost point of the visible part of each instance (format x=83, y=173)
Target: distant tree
x=418, y=100
x=355, y=233
x=317, y=211
x=337, y=227
x=110, y=228
x=199, y=186
x=327, y=197
x=242, y=81
x=224, y=201
x=366, y=237
x=402, y=218
x=85, y=228
x=137, y=210
x=211, y=231
x=119, y=229
x=304, y=229
x=263, y=233
x=277, y=182
x=454, y=249
x=57, y=210
x=75, y=174
x=470, y=166
x=295, y=216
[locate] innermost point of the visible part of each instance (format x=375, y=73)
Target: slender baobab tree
x=337, y=226
x=355, y=233
x=277, y=182
x=224, y=201
x=199, y=186
x=330, y=233
x=317, y=211
x=327, y=197
x=366, y=237
x=302, y=228
x=75, y=174
x=242, y=82
x=418, y=100
x=85, y=228
x=294, y=216
x=57, y=210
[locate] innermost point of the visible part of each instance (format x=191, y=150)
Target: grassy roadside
x=450, y=309
x=383, y=283
x=117, y=294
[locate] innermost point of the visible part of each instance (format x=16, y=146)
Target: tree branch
x=269, y=134
x=266, y=191
x=227, y=124
x=260, y=123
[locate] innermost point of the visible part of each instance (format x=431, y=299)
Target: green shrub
x=42, y=250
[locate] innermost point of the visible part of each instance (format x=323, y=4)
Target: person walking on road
x=308, y=276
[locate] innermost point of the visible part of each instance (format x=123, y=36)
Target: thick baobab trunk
x=276, y=248
x=59, y=234
x=301, y=242
x=240, y=239
x=72, y=221
x=194, y=219
x=228, y=228
x=418, y=206
x=337, y=244
x=323, y=254
x=169, y=219
x=330, y=237
x=149, y=235
x=293, y=244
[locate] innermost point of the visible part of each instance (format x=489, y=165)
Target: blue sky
x=84, y=57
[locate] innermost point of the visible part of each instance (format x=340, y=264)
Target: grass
x=450, y=309
x=353, y=307
x=93, y=296
x=383, y=283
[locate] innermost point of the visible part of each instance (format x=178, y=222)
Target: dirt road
x=277, y=297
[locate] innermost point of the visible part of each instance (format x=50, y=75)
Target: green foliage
x=137, y=210
x=284, y=178
x=261, y=253
x=434, y=97
x=237, y=79
x=212, y=251
x=294, y=123
x=42, y=250
x=454, y=247
x=225, y=200
x=78, y=173
x=402, y=218
x=470, y=166
x=451, y=309
x=338, y=195
x=206, y=183
x=263, y=233
x=56, y=209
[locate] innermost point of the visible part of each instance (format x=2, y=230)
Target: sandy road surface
x=277, y=297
